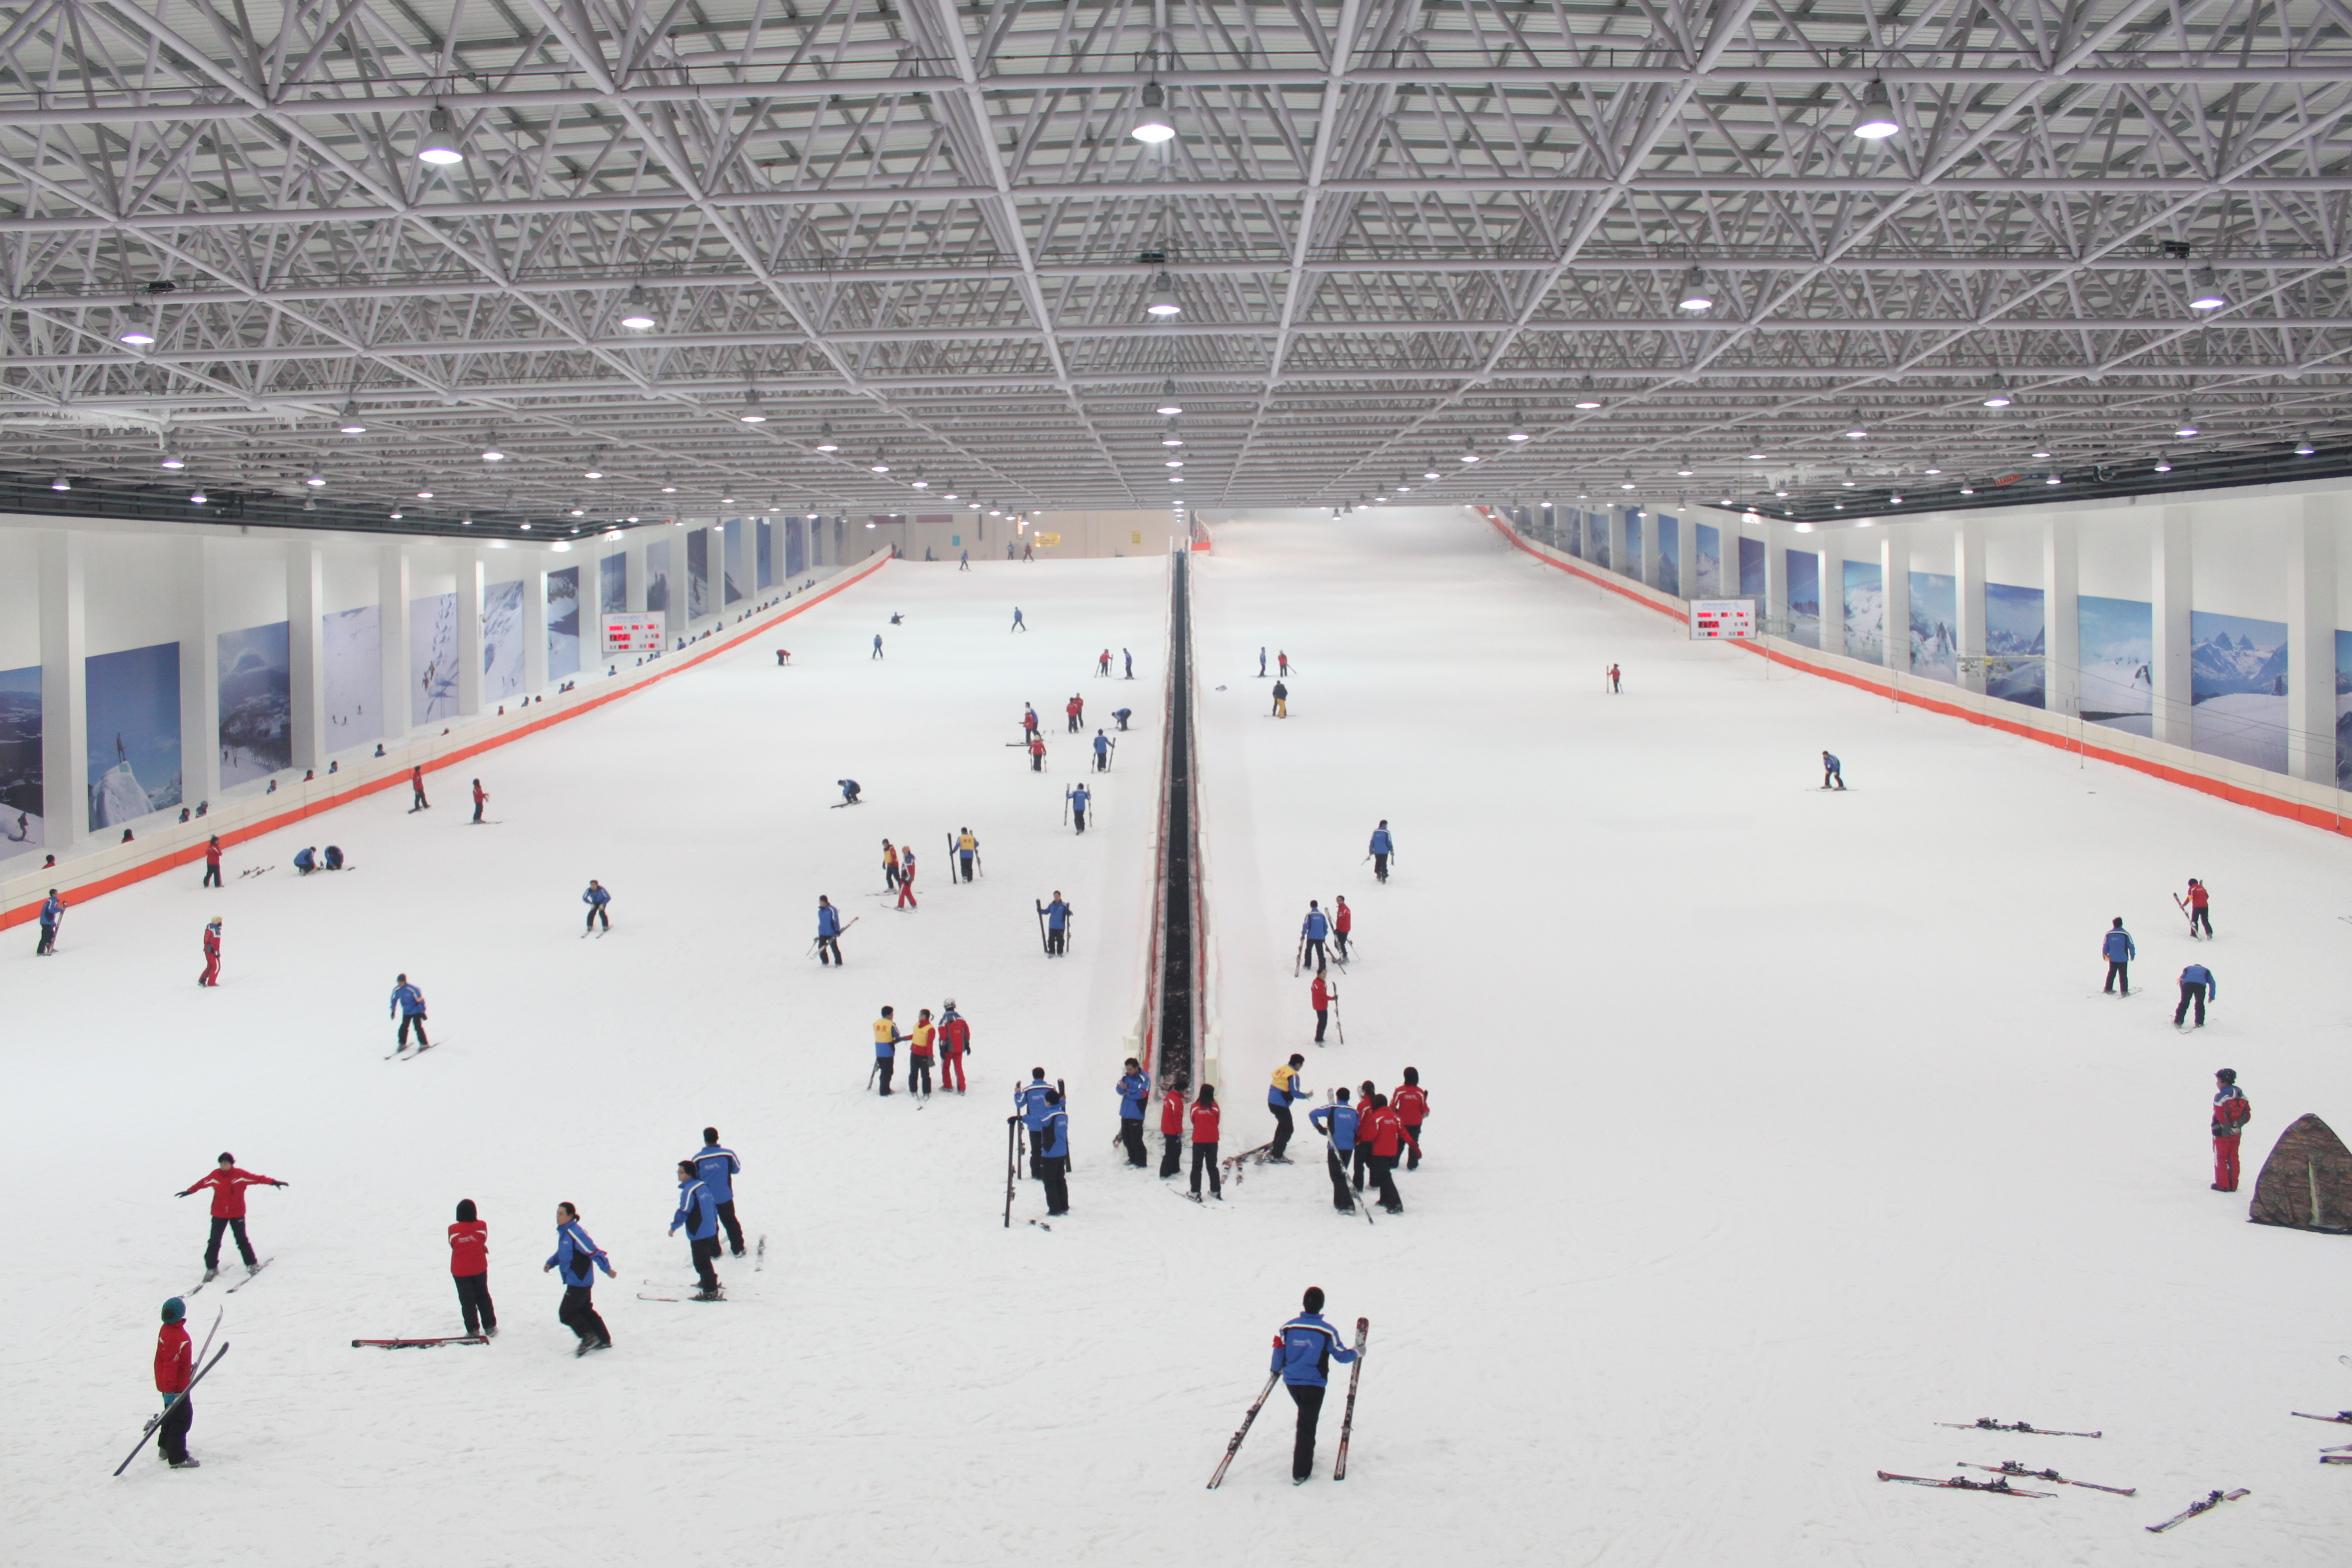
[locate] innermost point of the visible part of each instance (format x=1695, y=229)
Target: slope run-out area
x=1771, y=1126
x=893, y=1377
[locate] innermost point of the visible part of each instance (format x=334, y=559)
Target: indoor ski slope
x=1770, y=1127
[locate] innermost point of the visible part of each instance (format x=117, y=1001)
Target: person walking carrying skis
x=828, y=932
x=1304, y=1349
x=1078, y=799
x=718, y=1167
x=967, y=848
x=227, y=1184
x=212, y=941
x=469, y=1270
x=1312, y=931
x=416, y=790
x=2116, y=946
x=175, y=1367
x=2200, y=912
x=1134, y=1089
x=700, y=1216
x=1337, y=1123
x=1057, y=925
x=1411, y=1103
x=886, y=1038
x=1321, y=995
x=481, y=799
x=212, y=862
x=955, y=1038
x=1102, y=752
x=1172, y=1110
x=1285, y=1088
x=2197, y=988
x=578, y=1257
x=52, y=914
x=409, y=1003
x=1343, y=920
x=2231, y=1112
x=1383, y=851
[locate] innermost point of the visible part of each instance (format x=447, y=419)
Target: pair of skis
x=2008, y=1467
x=1347, y=1422
x=1988, y=1424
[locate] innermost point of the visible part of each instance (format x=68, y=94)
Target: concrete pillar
x=1969, y=586
x=633, y=545
x=1833, y=589
x=65, y=714
x=1621, y=551
x=392, y=623
x=535, y=621
x=1686, y=555
x=2061, y=617
x=2170, y=579
x=1894, y=565
x=306, y=667
x=2311, y=640
x=1776, y=610
x=469, y=633
x=1652, y=537
x=199, y=672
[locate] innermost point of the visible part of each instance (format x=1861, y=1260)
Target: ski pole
x=1234, y=1447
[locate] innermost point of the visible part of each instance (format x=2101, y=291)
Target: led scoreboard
x=1712, y=618
x=637, y=631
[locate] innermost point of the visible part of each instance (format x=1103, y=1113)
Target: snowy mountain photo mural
x=2118, y=649
x=657, y=576
x=2013, y=625
x=21, y=803
x=1935, y=626
x=432, y=658
x=731, y=573
x=1804, y=597
x=612, y=584
x=697, y=573
x=764, y=550
x=796, y=550
x=256, y=702
x=1865, y=611
x=352, y=652
x=2238, y=688
x=1669, y=555
x=502, y=641
x=2343, y=712
x=1707, y=571
x=563, y=622
x=1751, y=570
x=134, y=722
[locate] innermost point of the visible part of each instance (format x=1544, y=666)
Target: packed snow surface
x=1769, y=1127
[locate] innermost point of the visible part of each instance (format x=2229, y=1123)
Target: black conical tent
x=2307, y=1181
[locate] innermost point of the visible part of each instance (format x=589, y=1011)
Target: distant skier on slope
x=1304, y=1349
x=596, y=898
x=877, y=653
x=700, y=1215
x=1122, y=715
x=2197, y=987
x=1102, y=665
x=1074, y=711
x=967, y=847
x=1102, y=751
x=1383, y=851
x=212, y=956
x=1312, y=931
x=409, y=1004
x=1281, y=701
x=1286, y=1087
x=1019, y=624
x=1833, y=773
x=718, y=1167
x=1036, y=753
x=2231, y=1112
x=2117, y=947
x=227, y=1184
x=889, y=865
x=481, y=799
x=1616, y=681
x=1343, y=920
x=175, y=1368
x=1282, y=666
x=416, y=789
x=1134, y=1090
x=1411, y=1103
x=1028, y=721
x=469, y=1270
x=306, y=860
x=2199, y=904
x=1128, y=655
x=212, y=862
x=579, y=1257
x=1057, y=925
x=920, y=1052
x=1387, y=1134
x=1078, y=799
x=1320, y=996
x=849, y=791
x=1205, y=1119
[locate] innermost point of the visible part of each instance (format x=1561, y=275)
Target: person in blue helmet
x=1304, y=1349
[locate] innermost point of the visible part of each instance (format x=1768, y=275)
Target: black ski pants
x=1309, y=1399
x=1380, y=867
x=919, y=1075
x=829, y=945
x=967, y=860
x=173, y=1434
x=1322, y=1019
x=1340, y=938
x=1079, y=816
x=2191, y=994
x=706, y=1253
x=889, y=874
x=2200, y=918
x=1314, y=950
x=473, y=1302
x=211, y=877
x=48, y=940
x=1204, y=1157
x=1342, y=1198
x=884, y=1066
x=1057, y=940
x=1383, y=1166
x=1171, y=1153
x=578, y=1314
x=733, y=1227
x=1360, y=1161
x=596, y=917
x=1131, y=1139
x=212, y=1247
x=1057, y=1183
x=414, y=1021
x=2118, y=972
x=1282, y=1129
x=1413, y=1149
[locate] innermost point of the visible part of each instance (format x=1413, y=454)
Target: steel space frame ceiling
x=1399, y=231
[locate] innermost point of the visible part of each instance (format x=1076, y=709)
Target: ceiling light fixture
x=2187, y=429
x=1168, y=404
x=315, y=481
x=1152, y=128
x=2304, y=448
x=825, y=441
x=2053, y=479
x=197, y=497
x=1518, y=431
x=352, y=424
x=135, y=335
x=1856, y=432
x=1162, y=301
x=1696, y=296
x=1588, y=399
x=2163, y=464
x=636, y=314
x=1875, y=121
x=2205, y=291
x=1999, y=396
x=61, y=483
x=173, y=460
x=424, y=495
x=438, y=146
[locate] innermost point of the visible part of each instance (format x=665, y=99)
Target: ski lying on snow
x=421, y=1344
x=2013, y=1467
x=696, y=1297
x=2341, y=1417
x=1961, y=1483
x=2205, y=1504
x=1988, y=1424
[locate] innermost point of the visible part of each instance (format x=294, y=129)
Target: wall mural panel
x=21, y=803
x=563, y=622
x=351, y=655
x=2238, y=689
x=134, y=719
x=432, y=658
x=255, y=672
x=502, y=641
x=2117, y=638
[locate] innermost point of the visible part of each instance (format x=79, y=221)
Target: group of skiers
x=2199, y=989
x=943, y=1042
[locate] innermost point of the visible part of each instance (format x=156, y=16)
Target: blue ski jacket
x=1102, y=745
x=1830, y=763
x=1057, y=1134
x=2198, y=974
x=304, y=860
x=1057, y=914
x=1134, y=1089
x=409, y=1000
x=1336, y=1122
x=717, y=1166
x=1315, y=926
x=1304, y=1350
x=2117, y=945
x=52, y=911
x=1079, y=798
x=577, y=1257
x=1030, y=1097
x=697, y=1211
x=828, y=920
x=1381, y=844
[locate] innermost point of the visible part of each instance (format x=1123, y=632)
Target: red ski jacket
x=1343, y=919
x=211, y=943
x=212, y=856
x=1029, y=720
x=469, y=1247
x=2231, y=1112
x=228, y=1190
x=1204, y=1123
x=1385, y=1128
x=480, y=794
x=1036, y=746
x=2198, y=896
x=1321, y=994
x=173, y=1357
x=955, y=1036
x=1172, y=1112
x=1074, y=708
x=1411, y=1103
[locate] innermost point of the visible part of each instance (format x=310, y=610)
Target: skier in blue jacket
x=1832, y=771
x=1079, y=800
x=305, y=861
x=1029, y=1101
x=579, y=1257
x=2197, y=988
x=1102, y=751
x=718, y=1167
x=1337, y=1124
x=1134, y=1089
x=1057, y=925
x=1312, y=931
x=52, y=911
x=1054, y=1166
x=828, y=932
x=597, y=896
x=700, y=1215
x=2119, y=951
x=409, y=1003
x=1303, y=1352
x=1383, y=850
x=1122, y=715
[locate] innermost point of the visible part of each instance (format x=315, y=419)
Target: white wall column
x=1776, y=610
x=2061, y=618
x=2170, y=581
x=1833, y=590
x=2311, y=640
x=65, y=714
x=1969, y=591
x=469, y=633
x=392, y=624
x=1621, y=551
x=633, y=546
x=535, y=621
x=1894, y=567
x=199, y=673
x=1646, y=569
x=306, y=653
x=1686, y=556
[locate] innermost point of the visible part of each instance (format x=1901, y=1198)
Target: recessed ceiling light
x=1855, y=432
x=2304, y=448
x=198, y=498
x=919, y=484
x=1755, y=457
x=2188, y=428
x=1174, y=462
x=1518, y=431
x=1431, y=474
x=424, y=495
x=2053, y=479
x=174, y=460
x=2040, y=452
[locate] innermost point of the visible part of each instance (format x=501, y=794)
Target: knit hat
x=174, y=1310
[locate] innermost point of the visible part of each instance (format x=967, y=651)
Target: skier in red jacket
x=1320, y=997
x=1204, y=1143
x=1172, y=1127
x=1343, y=920
x=955, y=1038
x=469, y=1269
x=416, y=787
x=2231, y=1111
x=212, y=939
x=174, y=1369
x=212, y=860
x=481, y=799
x=1385, y=1130
x=1036, y=752
x=228, y=1185
x=2200, y=915
x=1075, y=708
x=1412, y=1107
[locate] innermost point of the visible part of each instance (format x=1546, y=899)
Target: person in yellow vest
x=886, y=1038
x=1285, y=1089
x=967, y=847
x=919, y=1059
x=889, y=864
